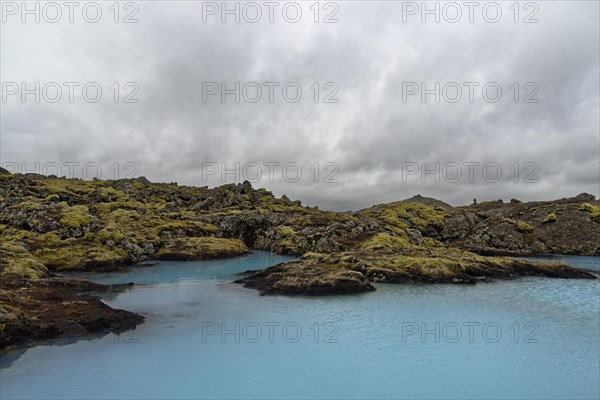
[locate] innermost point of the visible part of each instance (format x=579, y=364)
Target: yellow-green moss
x=530, y=238
x=405, y=215
x=313, y=256
x=201, y=248
x=110, y=232
x=593, y=210
x=431, y=266
x=76, y=216
x=549, y=218
x=286, y=230
x=10, y=233
x=26, y=266
x=385, y=241
x=524, y=227
x=29, y=205
x=16, y=259
x=77, y=253
x=289, y=238
x=11, y=247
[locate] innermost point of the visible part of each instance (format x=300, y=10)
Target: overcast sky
x=369, y=147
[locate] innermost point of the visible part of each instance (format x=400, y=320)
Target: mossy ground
x=402, y=215
x=66, y=224
x=386, y=241
x=593, y=210
x=61, y=224
x=201, y=248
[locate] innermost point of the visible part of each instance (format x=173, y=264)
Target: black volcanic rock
x=56, y=308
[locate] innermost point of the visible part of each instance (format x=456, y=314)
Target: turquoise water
x=206, y=338
x=582, y=262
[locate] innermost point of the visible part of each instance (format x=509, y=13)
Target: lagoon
x=205, y=337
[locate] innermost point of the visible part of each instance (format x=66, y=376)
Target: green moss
x=286, y=230
x=410, y=215
x=29, y=205
x=530, y=238
x=52, y=198
x=431, y=266
x=520, y=226
x=81, y=253
x=26, y=266
x=8, y=233
x=126, y=204
x=16, y=259
x=313, y=256
x=549, y=218
x=524, y=227
x=385, y=241
x=283, y=208
x=199, y=248
x=289, y=238
x=11, y=247
x=593, y=210
x=142, y=229
x=48, y=239
x=54, y=186
x=76, y=216
x=110, y=232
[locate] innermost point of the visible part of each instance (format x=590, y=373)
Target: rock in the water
x=56, y=308
x=297, y=278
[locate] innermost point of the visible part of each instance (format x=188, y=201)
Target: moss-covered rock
x=524, y=227
x=201, y=248
x=593, y=210
x=309, y=278
x=317, y=274
x=386, y=241
x=15, y=259
x=70, y=224
x=76, y=216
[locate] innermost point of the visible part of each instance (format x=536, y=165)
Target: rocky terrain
x=387, y=260
x=565, y=226
x=33, y=310
x=51, y=224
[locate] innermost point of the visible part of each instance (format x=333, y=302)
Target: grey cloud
x=370, y=133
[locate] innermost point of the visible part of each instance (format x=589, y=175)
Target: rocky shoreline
x=37, y=310
x=50, y=224
x=351, y=273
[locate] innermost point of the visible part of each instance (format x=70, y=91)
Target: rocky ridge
x=51, y=224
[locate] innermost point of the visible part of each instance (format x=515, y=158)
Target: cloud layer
x=365, y=147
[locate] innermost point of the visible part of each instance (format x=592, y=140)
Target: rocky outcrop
x=70, y=224
x=563, y=226
x=203, y=248
x=351, y=272
x=49, y=224
x=308, y=279
x=33, y=310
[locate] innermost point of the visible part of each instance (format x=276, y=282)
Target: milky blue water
x=207, y=338
x=582, y=262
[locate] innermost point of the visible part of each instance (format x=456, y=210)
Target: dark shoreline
x=48, y=309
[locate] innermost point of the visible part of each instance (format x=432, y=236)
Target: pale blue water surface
x=207, y=338
x=582, y=262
